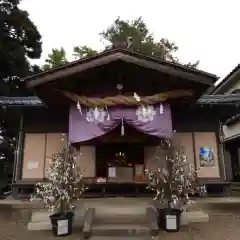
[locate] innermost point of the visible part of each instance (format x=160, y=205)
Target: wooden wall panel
x=150, y=160
x=185, y=140
x=149, y=152
x=87, y=160
x=34, y=151
x=54, y=142
x=39, y=147
x=207, y=139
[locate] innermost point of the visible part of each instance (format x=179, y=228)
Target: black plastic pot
x=62, y=223
x=169, y=219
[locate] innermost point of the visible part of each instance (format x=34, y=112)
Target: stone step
x=46, y=225
x=120, y=230
x=38, y=216
x=36, y=226
x=193, y=217
x=116, y=216
x=235, y=193
x=120, y=220
x=121, y=210
x=119, y=238
x=40, y=220
x=121, y=215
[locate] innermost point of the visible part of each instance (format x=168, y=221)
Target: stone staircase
x=134, y=221
x=106, y=218
x=40, y=220
x=119, y=218
x=235, y=189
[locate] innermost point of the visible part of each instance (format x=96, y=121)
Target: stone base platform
x=40, y=220
x=116, y=217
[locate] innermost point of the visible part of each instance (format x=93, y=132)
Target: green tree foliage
x=56, y=58
x=136, y=36
x=80, y=52
x=19, y=40
x=133, y=35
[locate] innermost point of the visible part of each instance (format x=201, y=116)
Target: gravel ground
x=223, y=225
x=15, y=228
x=220, y=227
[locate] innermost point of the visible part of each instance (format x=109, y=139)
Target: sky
x=202, y=29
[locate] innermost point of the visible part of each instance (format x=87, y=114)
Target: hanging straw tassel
x=122, y=128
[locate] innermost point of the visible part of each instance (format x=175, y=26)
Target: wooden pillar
x=228, y=163
x=18, y=161
x=221, y=153
x=194, y=152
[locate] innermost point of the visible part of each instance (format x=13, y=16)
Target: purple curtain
x=81, y=130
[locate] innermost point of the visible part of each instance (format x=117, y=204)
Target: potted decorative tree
x=64, y=185
x=173, y=178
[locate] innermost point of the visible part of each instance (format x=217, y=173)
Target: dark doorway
x=123, y=157
x=117, y=154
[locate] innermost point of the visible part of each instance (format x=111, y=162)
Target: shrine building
x=116, y=108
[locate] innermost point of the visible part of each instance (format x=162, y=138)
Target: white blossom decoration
x=65, y=182
x=172, y=176
x=136, y=97
x=96, y=115
x=145, y=114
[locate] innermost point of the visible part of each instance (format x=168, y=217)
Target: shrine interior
x=123, y=156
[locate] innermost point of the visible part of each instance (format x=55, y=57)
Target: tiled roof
x=123, y=54
x=232, y=120
x=215, y=87
x=220, y=99
x=30, y=101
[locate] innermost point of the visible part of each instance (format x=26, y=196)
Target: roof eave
x=30, y=101
x=220, y=99
x=227, y=80
x=114, y=55
x=232, y=120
